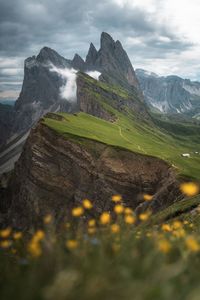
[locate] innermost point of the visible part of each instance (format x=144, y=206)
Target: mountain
x=104, y=142
x=44, y=88
x=105, y=149
x=170, y=94
x=112, y=62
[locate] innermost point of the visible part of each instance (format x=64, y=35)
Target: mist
x=94, y=74
x=67, y=91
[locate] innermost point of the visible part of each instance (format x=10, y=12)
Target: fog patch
x=94, y=74
x=69, y=90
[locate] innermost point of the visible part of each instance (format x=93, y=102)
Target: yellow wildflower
x=118, y=209
x=77, y=211
x=185, y=222
x=164, y=246
x=4, y=233
x=34, y=248
x=47, y=219
x=177, y=224
x=116, y=198
x=71, y=244
x=17, y=235
x=128, y=211
x=189, y=188
x=129, y=219
x=91, y=230
x=179, y=233
x=105, y=218
x=87, y=204
x=192, y=244
x=147, y=197
x=166, y=227
x=115, y=228
x=5, y=244
x=38, y=236
x=144, y=216
x=91, y=222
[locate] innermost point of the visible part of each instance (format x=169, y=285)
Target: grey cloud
x=69, y=26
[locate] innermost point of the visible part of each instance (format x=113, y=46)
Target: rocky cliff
x=98, y=98
x=45, y=81
x=54, y=173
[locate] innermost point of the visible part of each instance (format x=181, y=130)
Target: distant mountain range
x=170, y=94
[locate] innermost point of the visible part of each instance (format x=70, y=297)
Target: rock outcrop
x=54, y=173
x=113, y=63
x=93, y=95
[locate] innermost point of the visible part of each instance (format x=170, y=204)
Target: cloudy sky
x=159, y=35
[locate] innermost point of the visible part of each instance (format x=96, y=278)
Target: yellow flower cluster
x=5, y=233
x=115, y=228
x=87, y=204
x=147, y=197
x=189, y=189
x=34, y=246
x=48, y=219
x=105, y=218
x=77, y=211
x=116, y=198
x=164, y=245
x=71, y=244
x=91, y=226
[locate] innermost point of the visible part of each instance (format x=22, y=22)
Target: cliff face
x=55, y=173
x=113, y=62
x=93, y=97
x=41, y=89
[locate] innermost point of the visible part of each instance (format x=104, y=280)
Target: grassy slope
x=133, y=136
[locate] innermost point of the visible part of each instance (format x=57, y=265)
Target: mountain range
x=170, y=94
x=82, y=129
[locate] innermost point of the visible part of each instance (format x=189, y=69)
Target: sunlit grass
x=134, y=136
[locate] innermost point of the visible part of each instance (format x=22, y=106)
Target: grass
x=134, y=262
x=176, y=210
x=134, y=136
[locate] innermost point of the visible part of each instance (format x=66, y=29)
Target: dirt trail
x=127, y=140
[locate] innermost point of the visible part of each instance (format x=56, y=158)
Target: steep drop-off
x=56, y=172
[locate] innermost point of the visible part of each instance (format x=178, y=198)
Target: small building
x=185, y=155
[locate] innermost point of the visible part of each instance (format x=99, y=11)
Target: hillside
x=152, y=135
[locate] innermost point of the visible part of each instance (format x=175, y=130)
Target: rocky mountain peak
x=107, y=42
x=47, y=55
x=113, y=63
x=78, y=63
x=91, y=57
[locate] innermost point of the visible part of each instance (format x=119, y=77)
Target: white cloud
x=69, y=89
x=94, y=74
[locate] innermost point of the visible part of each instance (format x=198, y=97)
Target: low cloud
x=69, y=89
x=94, y=74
